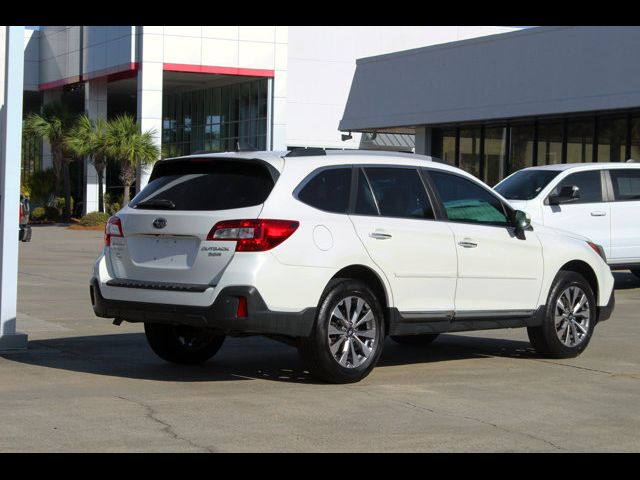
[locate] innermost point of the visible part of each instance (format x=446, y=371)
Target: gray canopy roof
x=537, y=71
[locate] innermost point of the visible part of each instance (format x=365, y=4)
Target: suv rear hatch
x=165, y=226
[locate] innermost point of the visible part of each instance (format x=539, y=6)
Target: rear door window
x=328, y=190
x=399, y=192
x=589, y=183
x=203, y=184
x=626, y=184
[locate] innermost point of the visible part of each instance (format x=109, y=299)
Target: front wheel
x=570, y=317
x=183, y=343
x=346, y=341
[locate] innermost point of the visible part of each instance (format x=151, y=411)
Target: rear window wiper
x=161, y=203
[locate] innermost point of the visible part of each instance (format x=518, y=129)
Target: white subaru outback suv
x=598, y=200
x=332, y=251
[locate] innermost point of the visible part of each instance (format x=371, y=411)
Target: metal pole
x=10, y=156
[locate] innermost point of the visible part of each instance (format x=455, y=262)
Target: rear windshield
x=206, y=185
x=525, y=184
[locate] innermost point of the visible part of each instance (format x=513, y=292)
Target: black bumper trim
x=173, y=287
x=604, y=313
x=220, y=315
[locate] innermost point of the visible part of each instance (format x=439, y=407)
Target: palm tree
x=87, y=138
x=125, y=143
x=53, y=124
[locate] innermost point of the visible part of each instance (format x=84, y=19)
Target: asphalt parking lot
x=86, y=385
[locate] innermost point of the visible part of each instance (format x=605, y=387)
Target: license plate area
x=163, y=251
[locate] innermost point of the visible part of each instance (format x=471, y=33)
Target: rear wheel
x=182, y=343
x=422, y=339
x=570, y=318
x=346, y=340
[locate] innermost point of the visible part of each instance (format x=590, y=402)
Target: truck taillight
x=113, y=228
x=253, y=235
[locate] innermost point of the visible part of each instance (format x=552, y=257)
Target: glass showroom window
x=580, y=140
x=448, y=150
x=495, y=145
x=635, y=139
x=549, y=143
x=612, y=139
x=469, y=156
x=216, y=119
x=521, y=148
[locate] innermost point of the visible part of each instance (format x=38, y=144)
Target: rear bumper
x=222, y=314
x=605, y=312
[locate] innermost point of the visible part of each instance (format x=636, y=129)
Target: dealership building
x=499, y=103
x=212, y=88
x=490, y=100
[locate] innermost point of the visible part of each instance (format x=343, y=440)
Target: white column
x=12, y=59
x=95, y=102
x=150, y=93
x=423, y=141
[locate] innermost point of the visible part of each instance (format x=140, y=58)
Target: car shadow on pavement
x=625, y=280
x=127, y=355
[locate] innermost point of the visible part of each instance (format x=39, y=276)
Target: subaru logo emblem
x=160, y=222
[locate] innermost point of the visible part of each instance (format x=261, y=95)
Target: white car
x=332, y=251
x=598, y=200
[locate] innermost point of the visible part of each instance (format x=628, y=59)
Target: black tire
x=636, y=272
x=182, y=343
x=315, y=349
x=544, y=338
x=418, y=340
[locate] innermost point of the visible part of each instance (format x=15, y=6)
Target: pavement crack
x=167, y=428
x=483, y=422
x=465, y=417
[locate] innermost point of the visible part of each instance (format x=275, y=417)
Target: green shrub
x=38, y=213
x=112, y=203
x=59, y=202
x=93, y=219
x=113, y=208
x=40, y=185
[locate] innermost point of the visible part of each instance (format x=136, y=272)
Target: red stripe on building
x=250, y=72
x=112, y=74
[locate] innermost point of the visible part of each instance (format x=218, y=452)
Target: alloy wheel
x=352, y=332
x=572, y=316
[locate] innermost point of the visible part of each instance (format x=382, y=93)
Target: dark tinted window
x=399, y=193
x=365, y=204
x=525, y=184
x=466, y=201
x=589, y=184
x=328, y=190
x=206, y=185
x=626, y=184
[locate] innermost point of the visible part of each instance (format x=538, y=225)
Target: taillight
x=113, y=228
x=253, y=235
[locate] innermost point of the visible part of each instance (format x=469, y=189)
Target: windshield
x=525, y=184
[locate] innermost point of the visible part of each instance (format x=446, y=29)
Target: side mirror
x=521, y=221
x=568, y=193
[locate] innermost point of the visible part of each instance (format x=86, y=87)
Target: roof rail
x=306, y=152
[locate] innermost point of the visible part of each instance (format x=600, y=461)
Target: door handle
x=467, y=244
x=598, y=214
x=380, y=235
